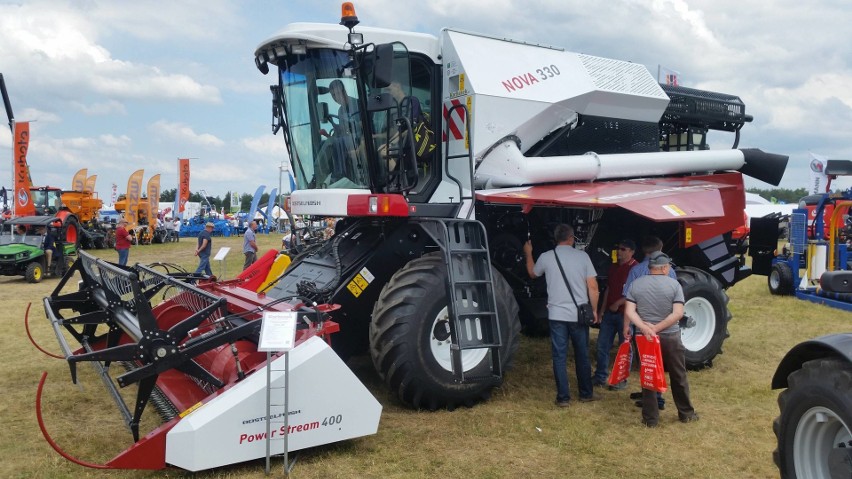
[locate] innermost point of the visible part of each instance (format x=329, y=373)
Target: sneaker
x=593, y=397
x=649, y=424
x=660, y=406
x=636, y=395
x=691, y=418
x=563, y=403
x=618, y=387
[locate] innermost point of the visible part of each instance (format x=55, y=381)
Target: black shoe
x=593, y=397
x=636, y=395
x=691, y=418
x=649, y=424
x=565, y=403
x=660, y=406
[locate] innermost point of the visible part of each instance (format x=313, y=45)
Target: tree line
x=168, y=196
x=783, y=195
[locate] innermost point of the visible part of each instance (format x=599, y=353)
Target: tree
x=168, y=196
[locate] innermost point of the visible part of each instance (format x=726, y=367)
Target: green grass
x=518, y=433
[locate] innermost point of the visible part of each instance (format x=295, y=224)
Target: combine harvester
x=425, y=270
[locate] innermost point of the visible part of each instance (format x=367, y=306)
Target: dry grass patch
x=518, y=433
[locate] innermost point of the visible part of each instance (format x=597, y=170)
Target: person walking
x=123, y=240
x=580, y=275
x=250, y=245
x=612, y=320
x=654, y=306
x=177, y=229
x=205, y=246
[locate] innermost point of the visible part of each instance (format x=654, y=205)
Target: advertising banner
x=134, y=193
x=23, y=204
x=79, y=180
x=90, y=184
x=154, y=197
x=819, y=180
x=183, y=183
x=235, y=202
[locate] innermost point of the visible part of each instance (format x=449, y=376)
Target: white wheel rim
x=699, y=331
x=441, y=349
x=818, y=432
x=774, y=280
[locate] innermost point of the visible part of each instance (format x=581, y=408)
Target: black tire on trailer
x=814, y=428
x=35, y=272
x=413, y=362
x=780, y=279
x=71, y=232
x=706, y=308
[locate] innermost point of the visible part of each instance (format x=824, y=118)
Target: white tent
x=277, y=213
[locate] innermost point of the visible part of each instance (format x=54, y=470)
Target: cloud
x=180, y=132
x=110, y=107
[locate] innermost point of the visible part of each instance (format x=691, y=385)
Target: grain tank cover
x=539, y=88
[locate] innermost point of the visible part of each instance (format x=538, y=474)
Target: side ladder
x=470, y=287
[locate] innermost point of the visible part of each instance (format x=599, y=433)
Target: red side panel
x=708, y=205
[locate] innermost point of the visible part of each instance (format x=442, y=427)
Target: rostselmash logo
x=23, y=197
x=817, y=166
x=307, y=203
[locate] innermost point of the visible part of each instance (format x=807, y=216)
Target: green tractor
x=33, y=247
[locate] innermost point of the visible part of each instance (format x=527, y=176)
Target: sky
x=115, y=86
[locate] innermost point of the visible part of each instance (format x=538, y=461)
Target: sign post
x=277, y=334
x=220, y=256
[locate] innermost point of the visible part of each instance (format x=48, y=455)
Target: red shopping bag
x=651, y=364
x=621, y=367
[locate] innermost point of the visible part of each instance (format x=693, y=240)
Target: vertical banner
x=134, y=193
x=23, y=204
x=153, y=198
x=819, y=180
x=114, y=194
x=235, y=202
x=255, y=201
x=183, y=184
x=270, y=210
x=79, y=180
x=90, y=184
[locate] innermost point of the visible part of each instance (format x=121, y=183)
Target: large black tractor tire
x=780, y=279
x=35, y=272
x=706, y=309
x=814, y=429
x=412, y=360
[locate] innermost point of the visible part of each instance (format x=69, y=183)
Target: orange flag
x=23, y=204
x=153, y=197
x=183, y=183
x=134, y=193
x=90, y=184
x=79, y=180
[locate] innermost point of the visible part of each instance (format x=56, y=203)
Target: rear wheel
x=780, y=279
x=814, y=429
x=71, y=231
x=707, y=316
x=410, y=343
x=35, y=272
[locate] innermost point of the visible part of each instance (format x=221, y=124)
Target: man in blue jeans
x=612, y=322
x=205, y=246
x=580, y=275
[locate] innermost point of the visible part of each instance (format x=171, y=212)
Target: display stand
x=220, y=257
x=278, y=334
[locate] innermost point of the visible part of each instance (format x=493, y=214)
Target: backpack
x=424, y=137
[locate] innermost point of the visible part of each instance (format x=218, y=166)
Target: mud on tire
x=402, y=343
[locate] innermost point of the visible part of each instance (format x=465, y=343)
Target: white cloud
x=183, y=133
x=109, y=107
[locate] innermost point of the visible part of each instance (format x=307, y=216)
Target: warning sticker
x=674, y=210
x=354, y=288
x=367, y=274
x=360, y=281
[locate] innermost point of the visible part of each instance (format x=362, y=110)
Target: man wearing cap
x=654, y=306
x=612, y=321
x=122, y=242
x=205, y=246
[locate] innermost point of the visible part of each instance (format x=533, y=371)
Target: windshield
x=329, y=143
x=323, y=118
x=47, y=202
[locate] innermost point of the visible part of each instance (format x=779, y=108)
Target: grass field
x=518, y=433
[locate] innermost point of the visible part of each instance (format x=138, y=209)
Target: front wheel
x=814, y=429
x=780, y=279
x=706, y=312
x=410, y=341
x=35, y=272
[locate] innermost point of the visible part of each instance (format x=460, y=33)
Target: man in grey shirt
x=655, y=305
x=581, y=276
x=250, y=245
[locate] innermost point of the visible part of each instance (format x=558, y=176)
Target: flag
x=23, y=204
x=114, y=194
x=255, y=201
x=134, y=193
x=90, y=184
x=819, y=180
x=235, y=202
x=668, y=76
x=153, y=197
x=79, y=180
x=183, y=184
